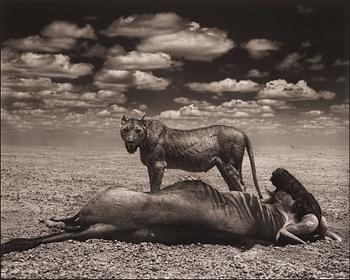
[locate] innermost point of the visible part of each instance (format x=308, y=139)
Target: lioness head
x=133, y=132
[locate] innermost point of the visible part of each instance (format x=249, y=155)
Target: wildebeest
x=185, y=212
x=194, y=150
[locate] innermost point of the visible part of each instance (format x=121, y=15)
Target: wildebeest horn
x=143, y=117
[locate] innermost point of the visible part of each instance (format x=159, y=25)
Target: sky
x=278, y=70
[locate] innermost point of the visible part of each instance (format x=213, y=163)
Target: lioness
x=186, y=212
x=194, y=150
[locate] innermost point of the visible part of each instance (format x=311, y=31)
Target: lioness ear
x=123, y=120
x=143, y=119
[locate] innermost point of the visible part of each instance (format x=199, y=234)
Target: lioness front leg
x=156, y=173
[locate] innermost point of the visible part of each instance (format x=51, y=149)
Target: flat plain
x=41, y=182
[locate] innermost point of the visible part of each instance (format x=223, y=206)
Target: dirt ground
x=40, y=182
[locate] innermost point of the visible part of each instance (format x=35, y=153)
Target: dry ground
x=39, y=182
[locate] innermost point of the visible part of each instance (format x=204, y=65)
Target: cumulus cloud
x=169, y=33
x=281, y=89
x=140, y=60
x=275, y=103
x=305, y=44
x=314, y=59
x=304, y=10
x=202, y=44
x=38, y=43
x=317, y=67
x=340, y=109
x=35, y=84
x=64, y=29
x=143, y=80
x=290, y=62
x=116, y=50
x=255, y=73
x=327, y=95
x=112, y=96
x=313, y=113
x=227, y=85
x=340, y=62
x=45, y=65
x=96, y=50
x=233, y=109
x=187, y=101
x=145, y=25
x=341, y=80
x=259, y=48
x=122, y=79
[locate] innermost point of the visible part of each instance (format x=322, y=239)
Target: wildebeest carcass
x=185, y=212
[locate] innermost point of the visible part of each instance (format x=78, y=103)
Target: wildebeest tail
x=252, y=164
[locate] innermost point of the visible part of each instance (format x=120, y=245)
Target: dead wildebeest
x=193, y=150
x=185, y=212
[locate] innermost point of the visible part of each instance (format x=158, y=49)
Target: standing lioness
x=194, y=150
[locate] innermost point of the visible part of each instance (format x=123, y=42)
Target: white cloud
x=63, y=29
x=340, y=62
x=313, y=113
x=116, y=50
x=314, y=59
x=305, y=44
x=140, y=60
x=290, y=62
x=145, y=25
x=340, y=109
x=118, y=109
x=255, y=73
x=281, y=89
x=143, y=80
x=238, y=103
x=122, y=79
x=341, y=80
x=44, y=65
x=114, y=96
x=202, y=44
x=327, y=95
x=37, y=43
x=227, y=85
x=259, y=48
x=317, y=67
x=275, y=103
x=187, y=101
x=96, y=50
x=304, y=10
x=268, y=115
x=36, y=84
x=103, y=113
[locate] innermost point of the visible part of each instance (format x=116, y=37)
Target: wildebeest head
x=133, y=132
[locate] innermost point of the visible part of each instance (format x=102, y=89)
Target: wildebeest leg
x=102, y=231
x=66, y=220
x=230, y=175
x=156, y=173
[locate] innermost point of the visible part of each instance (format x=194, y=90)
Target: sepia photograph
x=174, y=139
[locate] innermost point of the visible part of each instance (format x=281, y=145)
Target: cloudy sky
x=279, y=70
